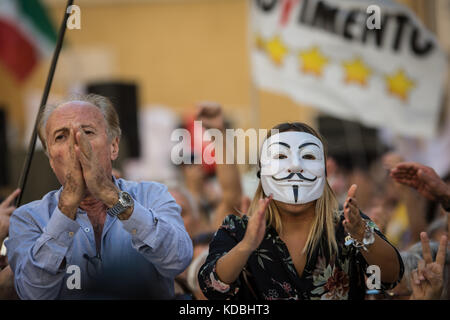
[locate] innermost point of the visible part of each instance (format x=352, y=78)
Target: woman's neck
x=297, y=221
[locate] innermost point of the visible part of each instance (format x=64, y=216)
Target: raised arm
x=380, y=252
x=227, y=258
x=158, y=231
x=37, y=249
x=425, y=180
x=36, y=252
x=211, y=115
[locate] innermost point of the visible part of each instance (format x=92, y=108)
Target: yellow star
x=399, y=84
x=276, y=50
x=313, y=61
x=356, y=71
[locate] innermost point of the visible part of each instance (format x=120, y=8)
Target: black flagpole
x=48, y=85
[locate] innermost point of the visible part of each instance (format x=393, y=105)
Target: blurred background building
x=174, y=53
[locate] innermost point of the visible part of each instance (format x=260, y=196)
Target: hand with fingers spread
x=74, y=187
x=6, y=209
x=353, y=222
x=256, y=227
x=424, y=179
x=427, y=280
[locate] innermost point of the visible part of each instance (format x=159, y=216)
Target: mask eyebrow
x=307, y=144
x=282, y=143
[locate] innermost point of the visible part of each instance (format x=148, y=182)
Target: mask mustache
x=289, y=176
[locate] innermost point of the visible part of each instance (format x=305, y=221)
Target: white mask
x=293, y=167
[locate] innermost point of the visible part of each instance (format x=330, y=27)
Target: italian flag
x=26, y=35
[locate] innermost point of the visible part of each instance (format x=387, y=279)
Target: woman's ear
x=115, y=148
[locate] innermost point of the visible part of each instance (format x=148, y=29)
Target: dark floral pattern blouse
x=270, y=273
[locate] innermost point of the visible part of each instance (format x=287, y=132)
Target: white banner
x=370, y=61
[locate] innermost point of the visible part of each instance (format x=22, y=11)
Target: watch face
x=126, y=199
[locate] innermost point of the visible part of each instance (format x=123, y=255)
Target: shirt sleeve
x=158, y=233
x=223, y=241
x=36, y=256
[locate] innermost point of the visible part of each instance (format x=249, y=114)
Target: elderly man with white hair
x=97, y=236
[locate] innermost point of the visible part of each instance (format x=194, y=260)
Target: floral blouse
x=270, y=273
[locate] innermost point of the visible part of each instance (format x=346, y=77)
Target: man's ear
x=115, y=148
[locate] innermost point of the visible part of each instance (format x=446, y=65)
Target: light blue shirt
x=139, y=257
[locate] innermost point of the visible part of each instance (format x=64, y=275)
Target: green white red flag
x=26, y=35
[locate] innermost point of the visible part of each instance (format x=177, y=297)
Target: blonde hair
x=326, y=208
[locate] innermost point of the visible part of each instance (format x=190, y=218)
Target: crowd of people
x=309, y=231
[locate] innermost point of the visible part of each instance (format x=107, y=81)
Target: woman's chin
x=295, y=208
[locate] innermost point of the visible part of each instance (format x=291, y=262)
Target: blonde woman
x=295, y=243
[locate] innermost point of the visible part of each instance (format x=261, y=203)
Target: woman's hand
x=427, y=280
x=353, y=223
x=231, y=264
x=256, y=227
x=381, y=253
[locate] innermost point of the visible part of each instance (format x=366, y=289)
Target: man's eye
x=59, y=137
x=88, y=132
x=309, y=157
x=280, y=156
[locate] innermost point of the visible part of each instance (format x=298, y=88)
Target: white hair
x=102, y=103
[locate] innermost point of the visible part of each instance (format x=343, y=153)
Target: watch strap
x=115, y=210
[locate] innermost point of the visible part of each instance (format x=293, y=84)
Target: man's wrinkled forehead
x=78, y=113
x=292, y=139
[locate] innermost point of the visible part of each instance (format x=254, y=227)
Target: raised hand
x=256, y=227
x=6, y=209
x=211, y=115
x=427, y=280
x=74, y=188
x=353, y=222
x=422, y=178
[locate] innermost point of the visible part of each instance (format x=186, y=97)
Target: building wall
x=178, y=51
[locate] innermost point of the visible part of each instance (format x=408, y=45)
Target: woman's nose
x=295, y=166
